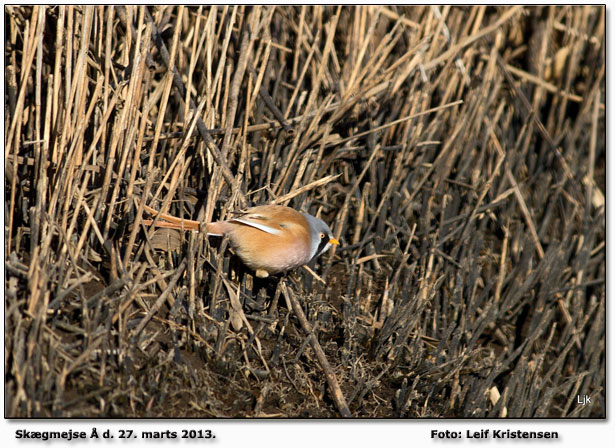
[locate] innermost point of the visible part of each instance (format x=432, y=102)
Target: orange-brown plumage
x=268, y=238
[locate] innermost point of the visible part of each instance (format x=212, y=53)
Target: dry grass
x=458, y=153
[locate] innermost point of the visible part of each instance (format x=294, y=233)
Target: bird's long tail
x=169, y=221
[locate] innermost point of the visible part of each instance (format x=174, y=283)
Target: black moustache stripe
x=322, y=245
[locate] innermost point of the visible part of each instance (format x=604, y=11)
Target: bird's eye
x=322, y=236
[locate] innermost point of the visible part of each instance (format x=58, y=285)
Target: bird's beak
x=334, y=241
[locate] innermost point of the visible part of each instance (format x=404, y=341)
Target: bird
x=269, y=239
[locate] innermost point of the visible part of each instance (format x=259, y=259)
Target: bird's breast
x=269, y=252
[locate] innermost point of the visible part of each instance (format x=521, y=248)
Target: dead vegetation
x=458, y=154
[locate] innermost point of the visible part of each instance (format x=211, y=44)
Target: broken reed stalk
x=336, y=391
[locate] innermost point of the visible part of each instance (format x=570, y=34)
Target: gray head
x=321, y=237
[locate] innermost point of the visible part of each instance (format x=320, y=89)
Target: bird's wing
x=259, y=222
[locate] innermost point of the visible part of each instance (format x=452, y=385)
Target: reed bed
x=458, y=154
